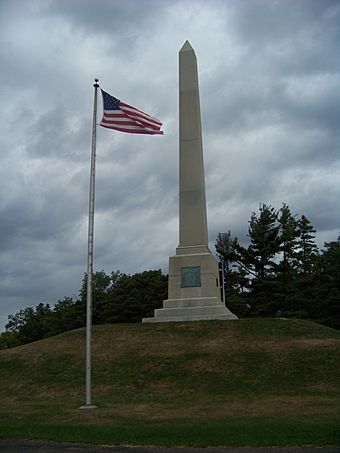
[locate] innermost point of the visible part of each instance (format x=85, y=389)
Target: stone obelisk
x=194, y=289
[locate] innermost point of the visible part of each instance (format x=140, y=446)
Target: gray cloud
x=269, y=76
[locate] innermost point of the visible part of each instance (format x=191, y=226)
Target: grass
x=258, y=382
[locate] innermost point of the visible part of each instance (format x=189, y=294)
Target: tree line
x=281, y=272
x=117, y=297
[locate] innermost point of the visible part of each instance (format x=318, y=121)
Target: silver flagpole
x=88, y=404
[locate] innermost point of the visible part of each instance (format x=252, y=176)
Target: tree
x=101, y=286
x=226, y=249
x=29, y=324
x=288, y=233
x=326, y=289
x=288, y=236
x=260, y=259
x=125, y=298
x=281, y=271
x=9, y=340
x=264, y=242
x=331, y=263
x=136, y=296
x=307, y=249
x=64, y=317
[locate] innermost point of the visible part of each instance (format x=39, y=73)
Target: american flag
x=125, y=118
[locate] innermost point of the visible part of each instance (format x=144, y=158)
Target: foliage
x=281, y=270
x=264, y=242
x=279, y=273
x=307, y=250
x=125, y=298
x=8, y=340
x=288, y=234
x=116, y=298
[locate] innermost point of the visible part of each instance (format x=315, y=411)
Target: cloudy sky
x=269, y=85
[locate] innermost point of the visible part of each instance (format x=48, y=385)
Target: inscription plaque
x=190, y=276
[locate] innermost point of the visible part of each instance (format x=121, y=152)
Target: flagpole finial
x=96, y=83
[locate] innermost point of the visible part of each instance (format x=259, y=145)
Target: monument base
x=194, y=290
x=199, y=309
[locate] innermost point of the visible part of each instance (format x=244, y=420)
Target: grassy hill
x=248, y=382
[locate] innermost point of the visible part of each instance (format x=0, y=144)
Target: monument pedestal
x=194, y=290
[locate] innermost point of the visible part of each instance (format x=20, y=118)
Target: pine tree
x=259, y=260
x=326, y=290
x=264, y=241
x=288, y=233
x=307, y=249
x=235, y=275
x=331, y=263
x=225, y=248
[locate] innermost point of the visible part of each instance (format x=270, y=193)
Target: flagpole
x=88, y=364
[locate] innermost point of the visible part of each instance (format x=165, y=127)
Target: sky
x=269, y=75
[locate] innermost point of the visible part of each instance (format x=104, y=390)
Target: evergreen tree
x=326, y=290
x=226, y=249
x=288, y=234
x=225, y=246
x=282, y=272
x=235, y=276
x=331, y=264
x=264, y=241
x=257, y=261
x=307, y=249
x=301, y=301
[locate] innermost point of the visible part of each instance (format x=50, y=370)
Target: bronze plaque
x=190, y=277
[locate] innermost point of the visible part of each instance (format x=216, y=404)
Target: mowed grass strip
x=246, y=382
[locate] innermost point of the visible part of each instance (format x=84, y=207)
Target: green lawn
x=248, y=382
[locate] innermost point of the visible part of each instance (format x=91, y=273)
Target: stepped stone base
x=201, y=301
x=195, y=309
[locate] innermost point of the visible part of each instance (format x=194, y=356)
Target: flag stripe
x=124, y=122
x=132, y=131
x=137, y=114
x=141, y=118
x=121, y=117
x=129, y=107
x=114, y=114
x=145, y=124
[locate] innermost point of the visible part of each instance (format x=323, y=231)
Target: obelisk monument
x=194, y=289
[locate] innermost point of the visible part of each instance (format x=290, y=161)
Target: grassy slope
x=249, y=382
